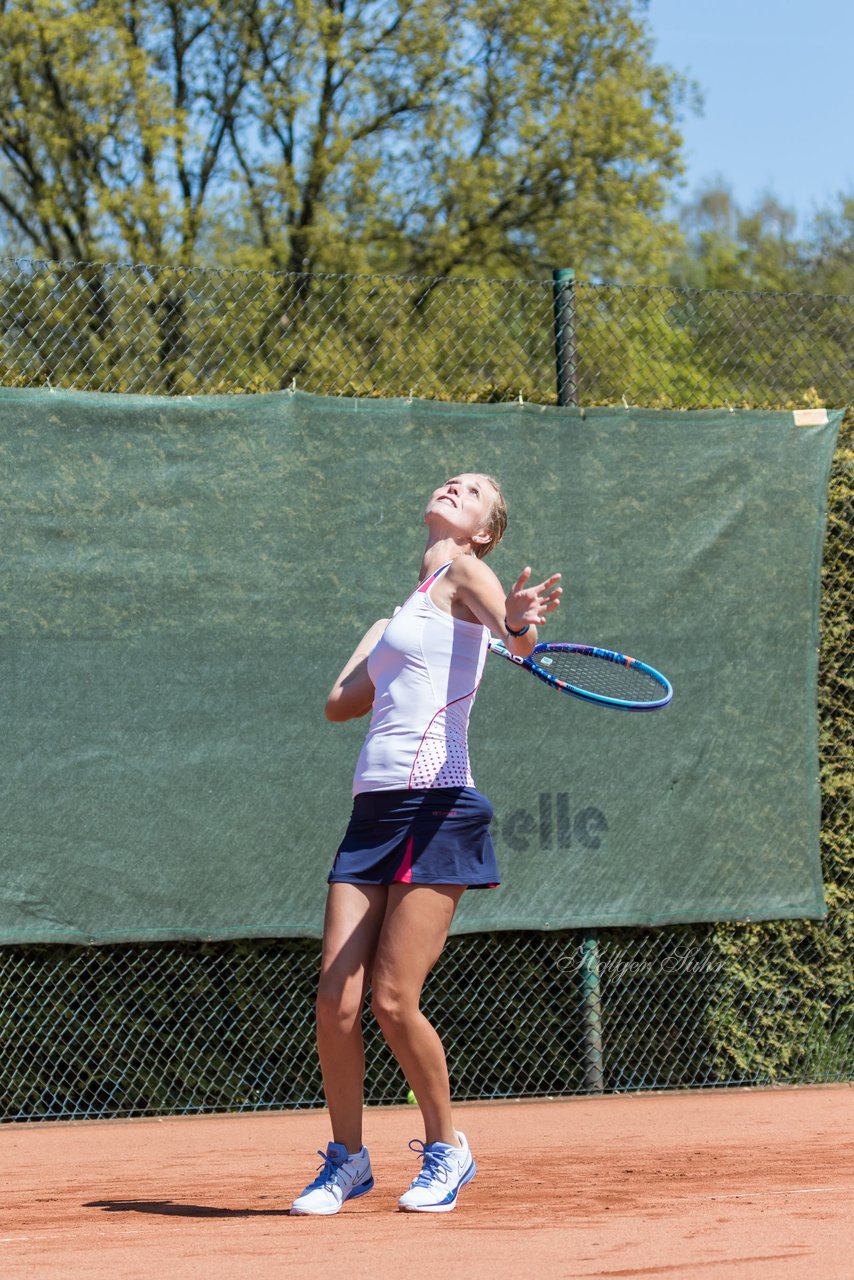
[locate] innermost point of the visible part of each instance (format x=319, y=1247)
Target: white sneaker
x=444, y=1171
x=342, y=1177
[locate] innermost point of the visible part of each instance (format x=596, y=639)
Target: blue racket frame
x=607, y=655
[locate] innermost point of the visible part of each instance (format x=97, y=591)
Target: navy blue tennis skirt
x=438, y=836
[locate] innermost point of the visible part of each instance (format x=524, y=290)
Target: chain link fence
x=141, y=1029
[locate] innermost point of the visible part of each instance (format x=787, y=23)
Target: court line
x=776, y=1191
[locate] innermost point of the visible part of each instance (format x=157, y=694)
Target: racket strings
x=602, y=676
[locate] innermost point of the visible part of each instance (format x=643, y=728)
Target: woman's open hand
x=528, y=605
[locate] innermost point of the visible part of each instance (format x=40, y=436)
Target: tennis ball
x=411, y=1099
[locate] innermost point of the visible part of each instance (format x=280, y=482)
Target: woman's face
x=464, y=503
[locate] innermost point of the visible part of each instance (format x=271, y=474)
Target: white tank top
x=425, y=667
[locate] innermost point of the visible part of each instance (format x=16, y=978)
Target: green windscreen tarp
x=184, y=578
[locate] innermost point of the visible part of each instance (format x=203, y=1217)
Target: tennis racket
x=597, y=675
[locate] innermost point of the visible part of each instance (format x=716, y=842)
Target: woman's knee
x=339, y=1006
x=391, y=1007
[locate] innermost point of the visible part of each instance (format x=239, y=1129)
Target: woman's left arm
x=352, y=694
x=522, y=606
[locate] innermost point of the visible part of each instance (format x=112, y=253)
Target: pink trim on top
x=433, y=719
x=428, y=582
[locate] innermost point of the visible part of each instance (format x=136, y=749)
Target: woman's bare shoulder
x=468, y=571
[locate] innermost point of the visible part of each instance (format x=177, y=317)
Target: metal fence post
x=565, y=348
x=591, y=1007
x=566, y=360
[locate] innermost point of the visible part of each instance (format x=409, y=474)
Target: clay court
x=740, y=1183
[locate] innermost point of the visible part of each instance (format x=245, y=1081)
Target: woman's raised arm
x=522, y=606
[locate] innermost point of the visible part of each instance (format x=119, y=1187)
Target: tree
x=113, y=119
x=431, y=136
x=471, y=134
x=335, y=86
x=113, y=115
x=727, y=248
x=829, y=252
x=789, y=349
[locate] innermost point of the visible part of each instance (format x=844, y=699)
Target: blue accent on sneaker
x=440, y=1167
x=334, y=1156
x=329, y=1181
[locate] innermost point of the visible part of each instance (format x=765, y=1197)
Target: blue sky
x=779, y=95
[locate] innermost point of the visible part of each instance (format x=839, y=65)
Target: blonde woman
x=418, y=836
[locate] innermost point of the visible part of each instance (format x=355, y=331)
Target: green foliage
x=112, y=123
x=557, y=143
x=393, y=135
x=725, y=247
x=829, y=258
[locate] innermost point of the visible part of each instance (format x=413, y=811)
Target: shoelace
x=328, y=1174
x=436, y=1167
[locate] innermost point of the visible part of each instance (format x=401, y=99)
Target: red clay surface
x=754, y=1185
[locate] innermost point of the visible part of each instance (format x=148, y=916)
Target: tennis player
x=418, y=835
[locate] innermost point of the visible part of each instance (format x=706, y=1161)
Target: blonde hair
x=496, y=521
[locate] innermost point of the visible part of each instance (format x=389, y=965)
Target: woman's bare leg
x=354, y=918
x=416, y=924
